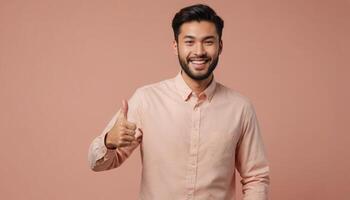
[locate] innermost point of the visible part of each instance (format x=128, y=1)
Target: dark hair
x=197, y=12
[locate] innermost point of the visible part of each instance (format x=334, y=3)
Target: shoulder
x=159, y=86
x=239, y=101
x=233, y=95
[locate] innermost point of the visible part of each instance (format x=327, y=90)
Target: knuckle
x=133, y=126
x=128, y=138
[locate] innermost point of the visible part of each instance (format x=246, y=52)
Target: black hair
x=197, y=12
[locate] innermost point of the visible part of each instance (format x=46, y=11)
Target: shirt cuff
x=99, y=152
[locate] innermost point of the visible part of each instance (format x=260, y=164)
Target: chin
x=199, y=72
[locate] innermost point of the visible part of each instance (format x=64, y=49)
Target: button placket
x=194, y=145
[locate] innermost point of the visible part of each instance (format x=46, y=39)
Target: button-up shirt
x=191, y=144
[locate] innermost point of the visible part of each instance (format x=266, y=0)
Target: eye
x=189, y=42
x=209, y=42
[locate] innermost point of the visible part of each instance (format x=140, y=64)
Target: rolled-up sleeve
x=251, y=159
x=99, y=157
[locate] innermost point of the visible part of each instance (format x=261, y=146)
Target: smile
x=199, y=64
x=199, y=61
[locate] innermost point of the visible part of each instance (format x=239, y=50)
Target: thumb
x=124, y=110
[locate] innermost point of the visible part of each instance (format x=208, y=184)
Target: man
x=192, y=131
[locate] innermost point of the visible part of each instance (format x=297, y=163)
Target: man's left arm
x=251, y=160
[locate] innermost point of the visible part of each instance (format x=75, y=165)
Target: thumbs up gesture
x=123, y=132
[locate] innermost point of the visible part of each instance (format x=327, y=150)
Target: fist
x=123, y=132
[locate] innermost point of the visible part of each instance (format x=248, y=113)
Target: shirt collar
x=185, y=91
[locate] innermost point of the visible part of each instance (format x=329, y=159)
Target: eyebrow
x=205, y=38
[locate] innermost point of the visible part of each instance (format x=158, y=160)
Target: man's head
x=197, y=42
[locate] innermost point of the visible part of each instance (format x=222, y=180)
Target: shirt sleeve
x=99, y=157
x=251, y=160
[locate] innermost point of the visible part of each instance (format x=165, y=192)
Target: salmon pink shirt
x=191, y=145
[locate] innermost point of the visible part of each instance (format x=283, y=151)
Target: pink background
x=66, y=65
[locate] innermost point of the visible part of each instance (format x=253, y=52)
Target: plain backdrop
x=66, y=65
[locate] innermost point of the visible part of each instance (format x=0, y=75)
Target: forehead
x=198, y=30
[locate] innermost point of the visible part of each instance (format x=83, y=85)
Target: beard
x=184, y=65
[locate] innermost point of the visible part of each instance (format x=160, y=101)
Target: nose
x=199, y=51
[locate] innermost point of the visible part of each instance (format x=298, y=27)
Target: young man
x=192, y=131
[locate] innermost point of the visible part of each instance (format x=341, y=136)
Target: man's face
x=198, y=49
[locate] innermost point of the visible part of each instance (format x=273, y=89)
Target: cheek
x=184, y=53
x=213, y=53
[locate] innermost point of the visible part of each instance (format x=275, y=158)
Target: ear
x=221, y=45
x=175, y=47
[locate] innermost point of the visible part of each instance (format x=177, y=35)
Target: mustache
x=201, y=57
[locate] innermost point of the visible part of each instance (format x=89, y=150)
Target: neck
x=197, y=86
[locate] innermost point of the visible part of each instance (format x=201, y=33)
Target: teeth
x=198, y=61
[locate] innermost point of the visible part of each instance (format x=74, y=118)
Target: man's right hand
x=123, y=132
